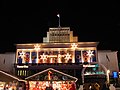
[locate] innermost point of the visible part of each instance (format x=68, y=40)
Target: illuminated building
x=61, y=51
x=57, y=34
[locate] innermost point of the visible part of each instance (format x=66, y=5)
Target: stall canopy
x=6, y=77
x=51, y=74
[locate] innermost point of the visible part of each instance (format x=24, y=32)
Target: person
x=106, y=86
x=81, y=87
x=97, y=86
x=73, y=86
x=36, y=86
x=20, y=87
x=91, y=87
x=49, y=87
x=112, y=87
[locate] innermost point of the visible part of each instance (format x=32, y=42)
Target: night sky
x=27, y=21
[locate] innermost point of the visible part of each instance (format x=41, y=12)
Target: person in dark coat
x=49, y=88
x=106, y=86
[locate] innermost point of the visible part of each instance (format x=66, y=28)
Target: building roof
x=56, y=45
x=6, y=77
x=44, y=72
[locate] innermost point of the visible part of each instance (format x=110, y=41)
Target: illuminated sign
x=88, y=65
x=22, y=66
x=94, y=73
x=115, y=74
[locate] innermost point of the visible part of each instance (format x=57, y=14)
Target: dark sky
x=27, y=21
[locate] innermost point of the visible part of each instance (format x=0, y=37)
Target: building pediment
x=51, y=74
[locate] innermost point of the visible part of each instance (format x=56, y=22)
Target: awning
x=6, y=77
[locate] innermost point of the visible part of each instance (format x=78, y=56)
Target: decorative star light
x=90, y=53
x=74, y=45
x=44, y=57
x=67, y=56
x=21, y=54
x=37, y=47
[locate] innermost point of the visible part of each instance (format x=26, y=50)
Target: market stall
x=51, y=78
x=8, y=81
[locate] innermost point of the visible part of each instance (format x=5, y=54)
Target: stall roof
x=60, y=75
x=6, y=77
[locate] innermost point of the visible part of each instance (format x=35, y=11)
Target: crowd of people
x=98, y=86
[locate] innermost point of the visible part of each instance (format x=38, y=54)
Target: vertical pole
x=59, y=20
x=58, y=15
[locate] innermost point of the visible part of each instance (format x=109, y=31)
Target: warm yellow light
x=44, y=57
x=90, y=53
x=74, y=46
x=108, y=71
x=49, y=75
x=22, y=54
x=67, y=56
x=37, y=47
